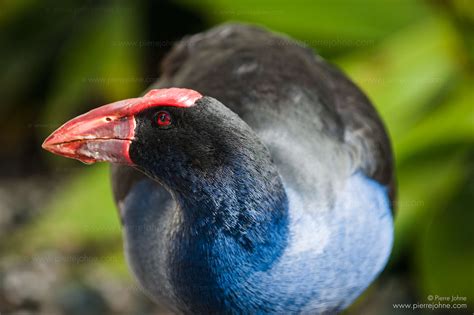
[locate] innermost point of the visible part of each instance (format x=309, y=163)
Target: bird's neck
x=249, y=207
x=229, y=227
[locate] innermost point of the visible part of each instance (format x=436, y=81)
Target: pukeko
x=252, y=178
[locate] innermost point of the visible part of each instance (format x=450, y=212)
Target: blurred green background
x=60, y=242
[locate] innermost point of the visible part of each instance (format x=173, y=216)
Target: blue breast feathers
x=325, y=257
x=331, y=256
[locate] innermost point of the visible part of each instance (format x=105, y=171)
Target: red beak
x=102, y=134
x=105, y=133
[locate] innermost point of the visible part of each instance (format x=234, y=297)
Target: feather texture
x=333, y=184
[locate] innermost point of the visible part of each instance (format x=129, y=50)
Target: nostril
x=108, y=119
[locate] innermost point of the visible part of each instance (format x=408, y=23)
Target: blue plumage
x=267, y=189
x=296, y=217
x=323, y=263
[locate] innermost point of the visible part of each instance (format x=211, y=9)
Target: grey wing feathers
x=348, y=108
x=363, y=128
x=197, y=60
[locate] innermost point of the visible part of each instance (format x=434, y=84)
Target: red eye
x=163, y=119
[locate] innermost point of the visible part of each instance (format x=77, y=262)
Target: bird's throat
x=228, y=231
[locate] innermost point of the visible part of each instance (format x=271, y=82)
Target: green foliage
x=328, y=26
x=96, y=61
x=78, y=215
x=444, y=248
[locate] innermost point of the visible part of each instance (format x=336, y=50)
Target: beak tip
x=47, y=143
x=93, y=137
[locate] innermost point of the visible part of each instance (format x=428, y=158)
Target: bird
x=252, y=178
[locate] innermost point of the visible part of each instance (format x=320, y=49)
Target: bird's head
x=169, y=134
x=217, y=169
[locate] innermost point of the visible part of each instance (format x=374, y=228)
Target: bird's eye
x=163, y=119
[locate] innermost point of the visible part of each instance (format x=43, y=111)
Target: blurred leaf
x=99, y=60
x=28, y=56
x=453, y=122
x=445, y=248
x=405, y=75
x=111, y=263
x=425, y=187
x=81, y=212
x=324, y=25
x=10, y=10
